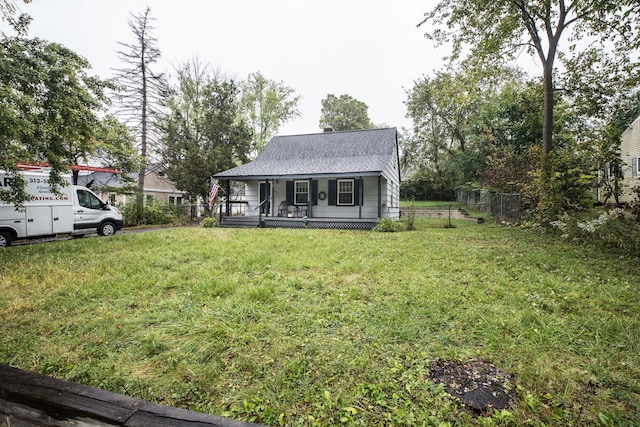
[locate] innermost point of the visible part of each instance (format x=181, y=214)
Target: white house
x=324, y=180
x=157, y=187
x=630, y=153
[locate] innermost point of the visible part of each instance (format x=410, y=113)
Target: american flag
x=213, y=192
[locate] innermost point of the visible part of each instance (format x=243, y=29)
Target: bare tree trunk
x=142, y=89
x=546, y=205
x=143, y=139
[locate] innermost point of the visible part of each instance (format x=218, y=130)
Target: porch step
x=239, y=222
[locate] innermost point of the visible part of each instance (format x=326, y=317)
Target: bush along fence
x=501, y=205
x=159, y=213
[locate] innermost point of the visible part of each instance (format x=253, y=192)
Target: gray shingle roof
x=111, y=180
x=100, y=180
x=362, y=152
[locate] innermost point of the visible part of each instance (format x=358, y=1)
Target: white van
x=75, y=210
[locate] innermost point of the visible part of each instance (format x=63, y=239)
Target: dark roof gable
x=364, y=152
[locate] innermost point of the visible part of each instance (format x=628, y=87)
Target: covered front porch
x=330, y=179
x=349, y=202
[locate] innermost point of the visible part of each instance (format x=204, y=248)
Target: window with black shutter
x=301, y=189
x=344, y=192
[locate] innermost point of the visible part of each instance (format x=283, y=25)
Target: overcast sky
x=368, y=49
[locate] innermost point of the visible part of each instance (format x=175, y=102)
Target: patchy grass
x=325, y=327
x=428, y=204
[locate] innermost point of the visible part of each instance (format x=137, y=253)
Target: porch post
x=268, y=197
x=228, y=204
x=310, y=199
x=379, y=196
x=360, y=197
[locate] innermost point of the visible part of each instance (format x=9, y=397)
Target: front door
x=265, y=196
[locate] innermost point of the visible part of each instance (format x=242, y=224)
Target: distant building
x=111, y=187
x=630, y=153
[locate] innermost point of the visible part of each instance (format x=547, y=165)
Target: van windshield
x=88, y=200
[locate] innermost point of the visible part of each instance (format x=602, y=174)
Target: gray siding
x=369, y=209
x=630, y=150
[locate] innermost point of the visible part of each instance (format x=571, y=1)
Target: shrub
x=154, y=214
x=209, y=222
x=635, y=204
x=159, y=214
x=610, y=229
x=411, y=216
x=388, y=225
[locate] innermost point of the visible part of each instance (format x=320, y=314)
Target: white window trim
x=353, y=191
x=295, y=192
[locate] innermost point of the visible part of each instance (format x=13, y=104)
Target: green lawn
x=326, y=327
x=428, y=204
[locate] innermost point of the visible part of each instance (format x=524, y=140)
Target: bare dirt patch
x=479, y=385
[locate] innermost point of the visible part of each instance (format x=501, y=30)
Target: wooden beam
x=360, y=196
x=228, y=190
x=27, y=398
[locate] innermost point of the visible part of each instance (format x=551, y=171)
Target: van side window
x=88, y=200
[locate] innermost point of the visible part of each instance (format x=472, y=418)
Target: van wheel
x=5, y=239
x=107, y=229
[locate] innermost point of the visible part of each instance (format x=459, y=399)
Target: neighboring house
x=324, y=180
x=157, y=187
x=630, y=153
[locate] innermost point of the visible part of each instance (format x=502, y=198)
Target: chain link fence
x=503, y=206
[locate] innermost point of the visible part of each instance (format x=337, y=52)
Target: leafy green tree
x=344, y=113
x=444, y=109
x=116, y=148
x=50, y=108
x=493, y=31
x=267, y=105
x=9, y=14
x=203, y=132
x=141, y=90
x=507, y=125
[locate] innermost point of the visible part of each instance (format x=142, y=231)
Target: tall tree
x=19, y=22
x=344, y=113
x=267, y=105
x=142, y=90
x=50, y=107
x=444, y=110
x=116, y=147
x=494, y=30
x=203, y=131
x=507, y=127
